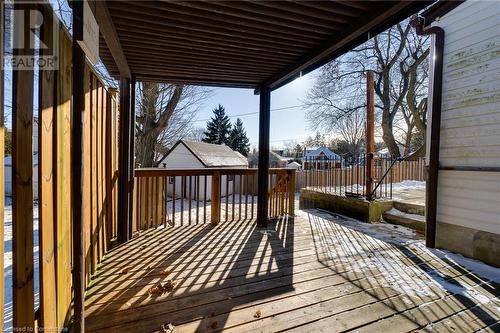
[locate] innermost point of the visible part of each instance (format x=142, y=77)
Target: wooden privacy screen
x=100, y=125
x=193, y=196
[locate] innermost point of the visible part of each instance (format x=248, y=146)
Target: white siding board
x=470, y=123
x=470, y=199
x=469, y=111
x=471, y=86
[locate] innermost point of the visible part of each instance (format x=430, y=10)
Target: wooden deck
x=314, y=273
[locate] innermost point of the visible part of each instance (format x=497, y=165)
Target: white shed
x=468, y=190
x=199, y=155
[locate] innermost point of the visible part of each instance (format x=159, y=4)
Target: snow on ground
x=383, y=247
x=408, y=184
x=183, y=205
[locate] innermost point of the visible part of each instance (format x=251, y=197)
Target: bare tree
x=397, y=57
x=164, y=115
x=196, y=134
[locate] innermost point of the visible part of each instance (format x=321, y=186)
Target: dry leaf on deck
x=156, y=290
x=169, y=286
x=168, y=328
x=126, y=270
x=257, y=314
x=165, y=272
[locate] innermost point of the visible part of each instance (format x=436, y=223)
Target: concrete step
x=412, y=221
x=409, y=208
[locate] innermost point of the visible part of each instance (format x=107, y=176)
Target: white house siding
x=182, y=158
x=470, y=122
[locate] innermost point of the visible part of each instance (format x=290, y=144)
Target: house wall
x=182, y=158
x=468, y=205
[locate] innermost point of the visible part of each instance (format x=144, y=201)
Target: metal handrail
x=397, y=159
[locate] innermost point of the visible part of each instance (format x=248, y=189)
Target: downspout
x=437, y=88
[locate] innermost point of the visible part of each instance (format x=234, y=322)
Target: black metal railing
x=346, y=175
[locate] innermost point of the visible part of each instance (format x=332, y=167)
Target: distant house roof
x=273, y=154
x=212, y=155
x=294, y=164
x=322, y=151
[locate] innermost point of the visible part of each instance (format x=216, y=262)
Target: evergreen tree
x=218, y=127
x=238, y=139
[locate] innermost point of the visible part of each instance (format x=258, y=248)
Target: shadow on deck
x=317, y=272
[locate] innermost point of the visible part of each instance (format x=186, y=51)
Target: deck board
x=315, y=272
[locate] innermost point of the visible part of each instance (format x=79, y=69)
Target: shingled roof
x=213, y=155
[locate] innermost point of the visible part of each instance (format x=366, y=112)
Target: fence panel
x=54, y=185
x=192, y=196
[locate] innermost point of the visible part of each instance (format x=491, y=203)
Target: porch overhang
x=246, y=44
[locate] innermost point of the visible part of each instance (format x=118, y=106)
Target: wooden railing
x=193, y=196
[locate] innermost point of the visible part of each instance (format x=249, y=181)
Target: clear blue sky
x=285, y=124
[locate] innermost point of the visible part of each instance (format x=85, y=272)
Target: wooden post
x=22, y=180
x=370, y=134
x=215, y=198
x=2, y=176
x=46, y=183
x=124, y=163
x=291, y=192
x=77, y=170
x=263, y=169
x=132, y=155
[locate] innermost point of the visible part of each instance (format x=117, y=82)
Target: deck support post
x=370, y=134
x=131, y=155
x=124, y=163
x=77, y=166
x=2, y=177
x=263, y=168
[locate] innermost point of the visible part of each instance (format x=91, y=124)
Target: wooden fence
x=100, y=125
x=192, y=196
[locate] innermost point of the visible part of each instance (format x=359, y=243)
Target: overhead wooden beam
x=108, y=31
x=362, y=30
x=77, y=169
x=263, y=168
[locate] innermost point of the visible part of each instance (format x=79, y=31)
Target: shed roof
x=212, y=155
x=236, y=43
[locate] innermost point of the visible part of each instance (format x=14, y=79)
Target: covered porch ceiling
x=245, y=44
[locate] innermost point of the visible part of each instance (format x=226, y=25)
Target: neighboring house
x=280, y=152
x=200, y=155
x=321, y=158
x=468, y=186
x=275, y=160
x=294, y=165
